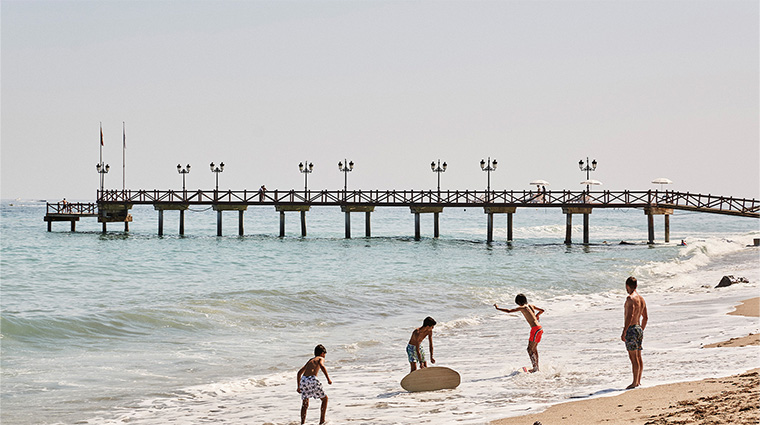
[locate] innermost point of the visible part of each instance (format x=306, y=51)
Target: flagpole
x=124, y=156
x=101, y=155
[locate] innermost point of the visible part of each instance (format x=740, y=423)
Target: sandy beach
x=730, y=400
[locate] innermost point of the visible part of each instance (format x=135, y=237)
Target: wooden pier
x=114, y=205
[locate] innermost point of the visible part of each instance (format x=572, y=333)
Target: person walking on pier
x=262, y=191
x=633, y=329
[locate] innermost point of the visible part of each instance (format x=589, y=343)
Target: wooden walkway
x=407, y=198
x=114, y=205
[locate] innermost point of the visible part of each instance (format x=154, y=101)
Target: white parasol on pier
x=662, y=181
x=591, y=182
x=539, y=183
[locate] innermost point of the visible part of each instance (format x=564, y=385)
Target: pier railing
x=450, y=198
x=72, y=208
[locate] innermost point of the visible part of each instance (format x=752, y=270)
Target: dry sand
x=731, y=400
x=749, y=308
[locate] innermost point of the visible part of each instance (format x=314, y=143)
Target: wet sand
x=730, y=400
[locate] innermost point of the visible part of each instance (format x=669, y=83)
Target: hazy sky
x=647, y=88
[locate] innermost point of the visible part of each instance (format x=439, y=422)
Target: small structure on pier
x=69, y=211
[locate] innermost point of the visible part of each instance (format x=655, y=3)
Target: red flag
x=101, y=135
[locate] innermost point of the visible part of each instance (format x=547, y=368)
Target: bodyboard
x=431, y=379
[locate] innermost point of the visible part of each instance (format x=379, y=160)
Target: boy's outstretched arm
x=507, y=310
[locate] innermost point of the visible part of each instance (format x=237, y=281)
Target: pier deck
x=459, y=198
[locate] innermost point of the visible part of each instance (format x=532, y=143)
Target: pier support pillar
x=74, y=225
x=489, y=233
x=367, y=228
x=585, y=228
x=126, y=226
x=300, y=208
x=499, y=210
x=105, y=227
x=303, y=224
x=650, y=213
x=171, y=206
x=51, y=218
x=667, y=228
x=219, y=222
x=228, y=207
x=240, y=223
x=569, y=211
x=348, y=225
x=366, y=209
x=423, y=209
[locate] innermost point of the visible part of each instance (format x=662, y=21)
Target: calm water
x=146, y=329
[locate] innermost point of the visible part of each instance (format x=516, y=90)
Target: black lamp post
x=183, y=171
x=345, y=169
x=216, y=170
x=488, y=167
x=438, y=170
x=102, y=170
x=588, y=167
x=306, y=170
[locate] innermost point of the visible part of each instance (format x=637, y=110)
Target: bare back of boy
x=529, y=311
x=311, y=368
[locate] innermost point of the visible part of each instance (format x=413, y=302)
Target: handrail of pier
x=448, y=198
x=71, y=208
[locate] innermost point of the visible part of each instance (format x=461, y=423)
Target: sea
x=138, y=328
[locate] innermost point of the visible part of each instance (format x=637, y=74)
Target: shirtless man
x=308, y=384
x=633, y=330
x=414, y=352
x=531, y=314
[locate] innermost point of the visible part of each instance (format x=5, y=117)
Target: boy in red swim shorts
x=531, y=314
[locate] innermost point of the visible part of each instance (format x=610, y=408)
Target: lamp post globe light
x=588, y=167
x=183, y=171
x=102, y=170
x=345, y=169
x=306, y=170
x=438, y=170
x=488, y=167
x=216, y=170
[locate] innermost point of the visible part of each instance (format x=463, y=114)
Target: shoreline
x=733, y=399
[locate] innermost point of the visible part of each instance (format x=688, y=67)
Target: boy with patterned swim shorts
x=531, y=314
x=414, y=352
x=308, y=384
